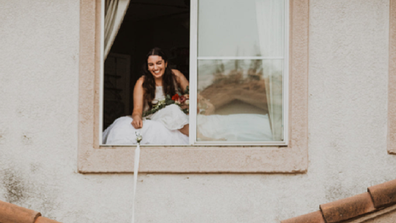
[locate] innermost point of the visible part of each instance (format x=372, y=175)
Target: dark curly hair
x=168, y=80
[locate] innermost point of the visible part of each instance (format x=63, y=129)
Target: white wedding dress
x=160, y=128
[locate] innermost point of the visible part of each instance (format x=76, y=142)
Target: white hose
x=135, y=173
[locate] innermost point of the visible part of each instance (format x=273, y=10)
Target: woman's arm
x=138, y=103
x=180, y=79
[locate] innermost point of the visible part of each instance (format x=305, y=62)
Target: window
x=238, y=68
x=197, y=159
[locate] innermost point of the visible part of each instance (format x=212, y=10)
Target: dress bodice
x=159, y=95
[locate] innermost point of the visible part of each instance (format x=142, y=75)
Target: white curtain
x=270, y=22
x=115, y=11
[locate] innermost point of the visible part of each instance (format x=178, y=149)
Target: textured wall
x=38, y=126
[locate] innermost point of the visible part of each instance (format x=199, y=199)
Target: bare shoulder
x=139, y=84
x=177, y=73
x=140, y=81
x=180, y=79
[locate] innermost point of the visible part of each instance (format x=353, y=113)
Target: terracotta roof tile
x=314, y=217
x=347, y=208
x=45, y=220
x=377, y=197
x=11, y=213
x=383, y=194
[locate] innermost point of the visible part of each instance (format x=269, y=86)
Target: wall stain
x=34, y=167
x=2, y=136
x=14, y=185
x=26, y=139
x=338, y=191
x=23, y=192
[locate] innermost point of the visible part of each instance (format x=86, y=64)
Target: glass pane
x=240, y=100
x=229, y=28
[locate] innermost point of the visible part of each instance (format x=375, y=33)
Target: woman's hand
x=137, y=122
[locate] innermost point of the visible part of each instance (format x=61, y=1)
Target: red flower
x=175, y=97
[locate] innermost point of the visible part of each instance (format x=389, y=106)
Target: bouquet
x=179, y=99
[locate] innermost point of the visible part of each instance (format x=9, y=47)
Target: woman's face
x=156, y=66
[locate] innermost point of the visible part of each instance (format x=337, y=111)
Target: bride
x=166, y=126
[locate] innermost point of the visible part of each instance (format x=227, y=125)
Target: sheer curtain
x=270, y=26
x=115, y=11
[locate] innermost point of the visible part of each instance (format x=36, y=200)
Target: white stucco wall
x=38, y=126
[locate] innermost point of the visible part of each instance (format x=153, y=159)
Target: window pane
x=241, y=28
x=241, y=46
x=240, y=100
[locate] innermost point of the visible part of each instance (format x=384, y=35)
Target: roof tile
x=314, y=217
x=45, y=220
x=383, y=194
x=11, y=213
x=347, y=208
x=377, y=197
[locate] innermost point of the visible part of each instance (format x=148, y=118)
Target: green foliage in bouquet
x=160, y=105
x=178, y=99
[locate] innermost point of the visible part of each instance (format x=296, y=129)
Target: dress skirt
x=161, y=128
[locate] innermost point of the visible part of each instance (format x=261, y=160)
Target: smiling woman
x=155, y=114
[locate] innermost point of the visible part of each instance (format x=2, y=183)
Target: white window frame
x=101, y=70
